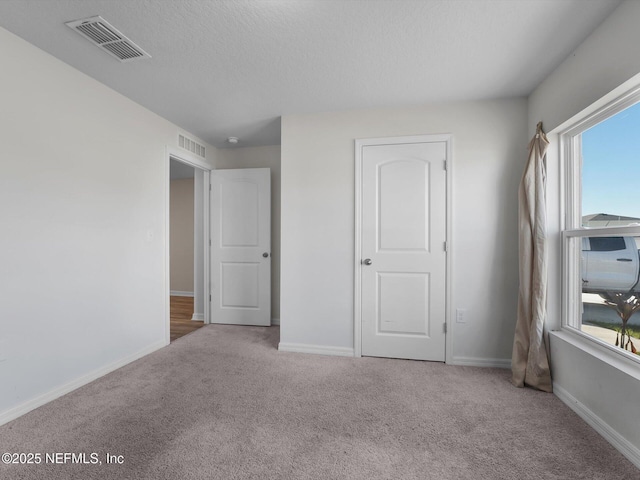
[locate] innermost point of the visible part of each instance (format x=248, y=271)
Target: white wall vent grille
x=192, y=146
x=107, y=37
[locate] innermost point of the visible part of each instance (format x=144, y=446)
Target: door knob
x=265, y=254
x=367, y=261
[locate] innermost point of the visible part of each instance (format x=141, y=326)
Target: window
x=601, y=238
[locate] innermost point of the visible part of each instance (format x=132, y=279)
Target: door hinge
x=444, y=327
x=444, y=164
x=209, y=297
x=209, y=187
x=444, y=246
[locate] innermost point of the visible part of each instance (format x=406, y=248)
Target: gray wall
x=181, y=241
x=604, y=390
x=489, y=151
x=83, y=196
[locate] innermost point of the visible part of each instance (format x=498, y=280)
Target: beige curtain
x=529, y=363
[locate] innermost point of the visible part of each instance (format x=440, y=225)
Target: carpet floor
x=223, y=403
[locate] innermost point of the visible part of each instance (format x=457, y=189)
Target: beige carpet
x=223, y=403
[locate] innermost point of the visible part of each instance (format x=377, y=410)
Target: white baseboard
x=315, y=349
x=51, y=395
x=624, y=446
x=177, y=293
x=197, y=317
x=481, y=362
x=275, y=321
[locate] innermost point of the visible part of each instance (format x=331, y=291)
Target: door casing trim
x=357, y=272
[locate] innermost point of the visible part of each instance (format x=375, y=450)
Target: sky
x=611, y=165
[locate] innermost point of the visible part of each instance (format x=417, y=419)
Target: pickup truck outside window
x=611, y=264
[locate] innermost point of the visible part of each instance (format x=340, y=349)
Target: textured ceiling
x=232, y=67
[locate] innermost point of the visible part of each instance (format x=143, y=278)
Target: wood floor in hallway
x=181, y=313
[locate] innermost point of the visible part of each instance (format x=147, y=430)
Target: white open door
x=241, y=246
x=403, y=264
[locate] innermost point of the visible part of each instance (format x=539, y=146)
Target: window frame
x=572, y=230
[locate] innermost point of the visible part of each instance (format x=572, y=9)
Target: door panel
x=240, y=200
x=402, y=183
x=240, y=236
x=240, y=286
x=403, y=234
x=403, y=303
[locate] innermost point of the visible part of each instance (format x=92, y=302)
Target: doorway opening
x=188, y=197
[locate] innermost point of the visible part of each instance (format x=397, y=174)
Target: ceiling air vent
x=107, y=37
x=193, y=147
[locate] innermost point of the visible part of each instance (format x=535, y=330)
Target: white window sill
x=629, y=366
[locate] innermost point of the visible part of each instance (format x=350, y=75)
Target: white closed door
x=241, y=246
x=403, y=265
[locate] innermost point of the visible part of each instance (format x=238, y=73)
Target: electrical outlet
x=460, y=315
